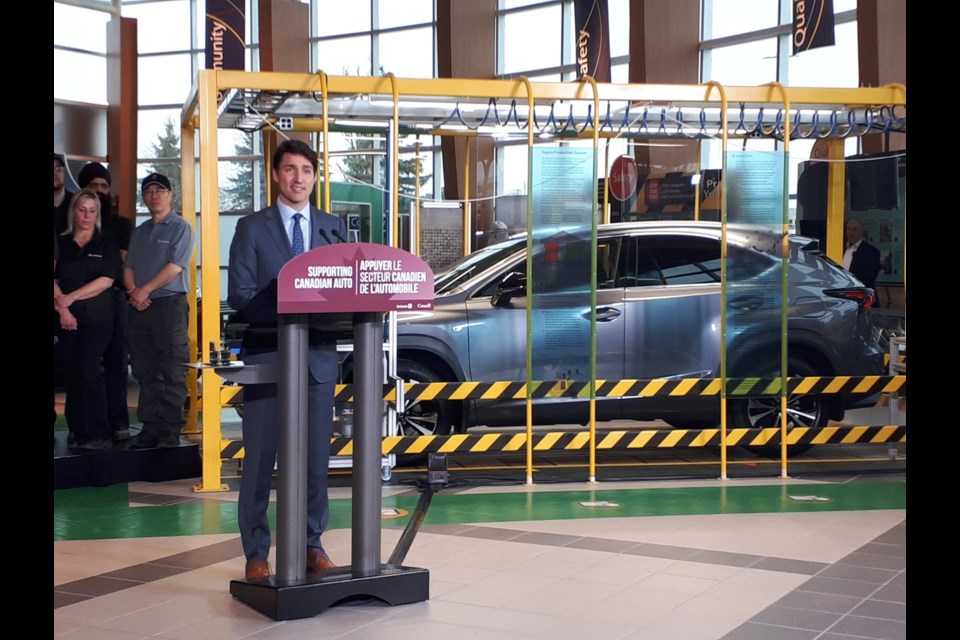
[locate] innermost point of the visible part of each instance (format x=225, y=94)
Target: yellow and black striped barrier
x=704, y=387
x=614, y=440
x=736, y=388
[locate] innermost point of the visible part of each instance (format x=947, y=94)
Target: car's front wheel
x=803, y=410
x=425, y=417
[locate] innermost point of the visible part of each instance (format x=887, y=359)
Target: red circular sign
x=623, y=178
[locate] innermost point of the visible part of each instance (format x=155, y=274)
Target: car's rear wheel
x=803, y=410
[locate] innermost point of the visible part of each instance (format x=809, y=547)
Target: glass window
x=531, y=39
x=618, y=12
x=731, y=17
x=164, y=79
x=80, y=28
x=332, y=23
x=239, y=182
x=512, y=4
x=398, y=14
x=546, y=77
x=747, y=64
x=620, y=73
x=158, y=133
x=344, y=56
x=512, y=170
x=79, y=77
x=161, y=26
x=834, y=66
x=408, y=53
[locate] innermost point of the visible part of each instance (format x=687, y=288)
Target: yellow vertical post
x=529, y=311
x=188, y=199
x=784, y=268
x=606, y=185
x=395, y=162
x=415, y=216
x=466, y=197
x=325, y=102
x=593, y=280
x=209, y=273
x=723, y=274
x=696, y=188
x=836, y=195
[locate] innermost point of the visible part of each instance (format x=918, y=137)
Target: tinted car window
x=473, y=264
x=611, y=257
x=744, y=263
x=672, y=259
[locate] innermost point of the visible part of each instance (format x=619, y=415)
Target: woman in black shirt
x=88, y=264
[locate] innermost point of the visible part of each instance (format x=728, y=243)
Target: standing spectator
x=155, y=278
x=61, y=197
x=56, y=320
x=263, y=242
x=860, y=257
x=88, y=265
x=96, y=177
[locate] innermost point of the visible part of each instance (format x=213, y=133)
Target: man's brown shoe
x=318, y=560
x=258, y=570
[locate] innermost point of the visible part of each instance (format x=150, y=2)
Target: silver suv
x=658, y=316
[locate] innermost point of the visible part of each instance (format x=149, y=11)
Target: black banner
x=593, y=39
x=225, y=34
x=812, y=24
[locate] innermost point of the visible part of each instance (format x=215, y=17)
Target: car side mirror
x=513, y=284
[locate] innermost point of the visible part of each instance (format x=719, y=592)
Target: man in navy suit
x=263, y=242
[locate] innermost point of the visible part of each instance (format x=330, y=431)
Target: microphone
x=326, y=236
x=338, y=235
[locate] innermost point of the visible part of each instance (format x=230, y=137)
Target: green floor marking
x=104, y=513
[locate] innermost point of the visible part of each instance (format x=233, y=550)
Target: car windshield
x=455, y=275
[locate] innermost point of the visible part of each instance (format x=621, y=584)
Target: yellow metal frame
x=199, y=122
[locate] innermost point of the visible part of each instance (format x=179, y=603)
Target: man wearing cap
x=95, y=176
x=156, y=280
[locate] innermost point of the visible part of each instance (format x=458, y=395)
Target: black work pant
x=159, y=347
x=115, y=363
x=86, y=402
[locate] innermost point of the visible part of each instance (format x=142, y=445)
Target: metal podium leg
x=292, y=449
x=368, y=416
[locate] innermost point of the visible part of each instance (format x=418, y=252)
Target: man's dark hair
x=297, y=148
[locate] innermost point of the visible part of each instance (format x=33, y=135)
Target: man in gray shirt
x=155, y=276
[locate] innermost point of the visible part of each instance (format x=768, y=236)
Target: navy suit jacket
x=259, y=250
x=865, y=264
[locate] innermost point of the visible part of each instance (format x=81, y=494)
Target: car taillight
x=863, y=296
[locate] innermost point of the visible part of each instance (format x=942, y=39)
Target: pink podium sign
x=354, y=276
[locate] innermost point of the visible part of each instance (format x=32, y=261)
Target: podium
x=344, y=286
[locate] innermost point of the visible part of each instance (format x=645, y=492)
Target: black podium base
x=317, y=593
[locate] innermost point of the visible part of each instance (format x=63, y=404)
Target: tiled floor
x=763, y=559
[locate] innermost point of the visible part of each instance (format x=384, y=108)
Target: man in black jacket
x=860, y=258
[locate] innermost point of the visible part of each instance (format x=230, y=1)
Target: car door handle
x=745, y=303
x=605, y=314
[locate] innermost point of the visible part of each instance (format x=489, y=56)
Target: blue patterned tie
x=297, y=234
